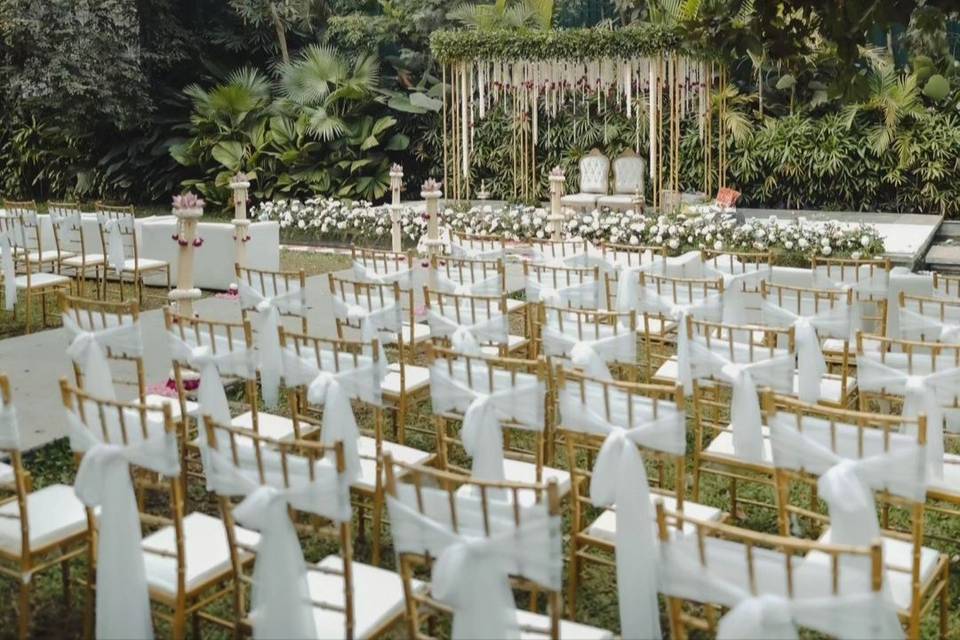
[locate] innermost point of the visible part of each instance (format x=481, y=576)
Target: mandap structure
x=647, y=72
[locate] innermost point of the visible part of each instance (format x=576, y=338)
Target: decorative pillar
x=241, y=225
x=396, y=182
x=431, y=192
x=188, y=209
x=556, y=216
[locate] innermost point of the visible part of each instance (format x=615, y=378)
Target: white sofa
x=594, y=181
x=628, y=172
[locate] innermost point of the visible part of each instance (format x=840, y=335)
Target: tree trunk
x=281, y=33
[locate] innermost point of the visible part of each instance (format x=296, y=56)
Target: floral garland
x=792, y=242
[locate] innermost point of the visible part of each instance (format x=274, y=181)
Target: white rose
x=788, y=244
x=717, y=246
x=865, y=241
x=803, y=243
x=634, y=240
x=674, y=243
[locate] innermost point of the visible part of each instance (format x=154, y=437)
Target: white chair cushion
x=659, y=327
x=421, y=332
x=143, y=263
x=618, y=201
x=831, y=387
x=268, y=425
x=89, y=259
x=378, y=598
x=415, y=378
x=156, y=400
x=722, y=445
x=568, y=630
x=367, y=448
x=526, y=472
x=514, y=305
x=580, y=200
x=950, y=481
x=605, y=527
x=54, y=514
x=205, y=547
x=899, y=554
x=50, y=255
x=38, y=280
x=513, y=342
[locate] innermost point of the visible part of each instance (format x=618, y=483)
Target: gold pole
x=446, y=140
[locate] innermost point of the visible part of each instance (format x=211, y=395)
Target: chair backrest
x=19, y=482
x=945, y=285
x=96, y=315
x=244, y=461
x=928, y=318
x=607, y=337
x=737, y=262
x=594, y=172
x=487, y=276
x=273, y=283
x=67, y=223
x=477, y=246
x=123, y=216
x=726, y=566
x=392, y=307
x=456, y=380
x=632, y=255
x=556, y=251
x=578, y=287
x=379, y=263
x=869, y=279
x=514, y=530
x=483, y=317
x=12, y=210
x=26, y=224
x=628, y=173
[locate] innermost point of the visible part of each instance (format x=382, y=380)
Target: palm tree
x=522, y=14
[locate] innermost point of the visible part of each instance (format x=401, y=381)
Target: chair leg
x=28, y=313
x=24, y=613
x=377, y=525
x=43, y=308
x=573, y=580
x=195, y=626
x=65, y=577
x=945, y=602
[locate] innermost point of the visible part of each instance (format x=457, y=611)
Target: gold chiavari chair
x=133, y=265
x=664, y=299
x=39, y=529
x=273, y=283
x=916, y=576
x=839, y=387
x=611, y=335
x=473, y=245
x=378, y=265
x=468, y=311
x=477, y=276
x=24, y=215
x=527, y=432
x=756, y=564
x=625, y=260
x=869, y=279
x=74, y=258
x=186, y=557
x=769, y=354
x=626, y=406
x=348, y=599
x=360, y=362
x=32, y=280
x=511, y=519
x=384, y=307
x=928, y=318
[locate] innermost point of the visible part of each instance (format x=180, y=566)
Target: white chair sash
x=489, y=286
x=333, y=390
x=269, y=308
x=9, y=427
x=469, y=253
x=281, y=604
x=520, y=399
x=854, y=612
x=592, y=356
x=925, y=393
x=834, y=322
x=917, y=326
x=364, y=273
x=8, y=270
x=467, y=338
x=585, y=295
x=87, y=350
x=380, y=323
x=471, y=570
x=746, y=420
x=620, y=478
x=115, y=250
x=103, y=479
x=847, y=478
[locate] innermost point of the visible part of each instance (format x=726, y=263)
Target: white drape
x=917, y=326
x=926, y=384
x=809, y=328
x=848, y=477
x=333, y=389
x=591, y=355
x=489, y=286
x=381, y=323
x=467, y=337
x=281, y=605
x=268, y=308
x=8, y=270
x=87, y=350
x=469, y=253
x=620, y=478
x=9, y=427
x=765, y=610
x=103, y=479
x=115, y=250
x=583, y=295
x=364, y=273
x=736, y=286
x=518, y=397
x=471, y=570
x=743, y=366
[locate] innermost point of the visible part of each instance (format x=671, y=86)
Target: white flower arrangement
x=361, y=222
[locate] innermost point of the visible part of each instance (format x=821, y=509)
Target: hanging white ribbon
x=735, y=290
x=833, y=322
x=115, y=250
x=103, y=480
x=466, y=338
x=923, y=393
x=333, y=389
x=281, y=605
x=269, y=308
x=742, y=374
x=8, y=270
x=87, y=350
x=489, y=286
x=620, y=478
x=471, y=571
x=363, y=273
x=585, y=295
x=917, y=326
x=378, y=323
x=518, y=397
x=592, y=356
x=855, y=612
x=852, y=463
x=9, y=427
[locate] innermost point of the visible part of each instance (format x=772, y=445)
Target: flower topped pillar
x=556, y=217
x=431, y=193
x=396, y=182
x=240, y=183
x=188, y=209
